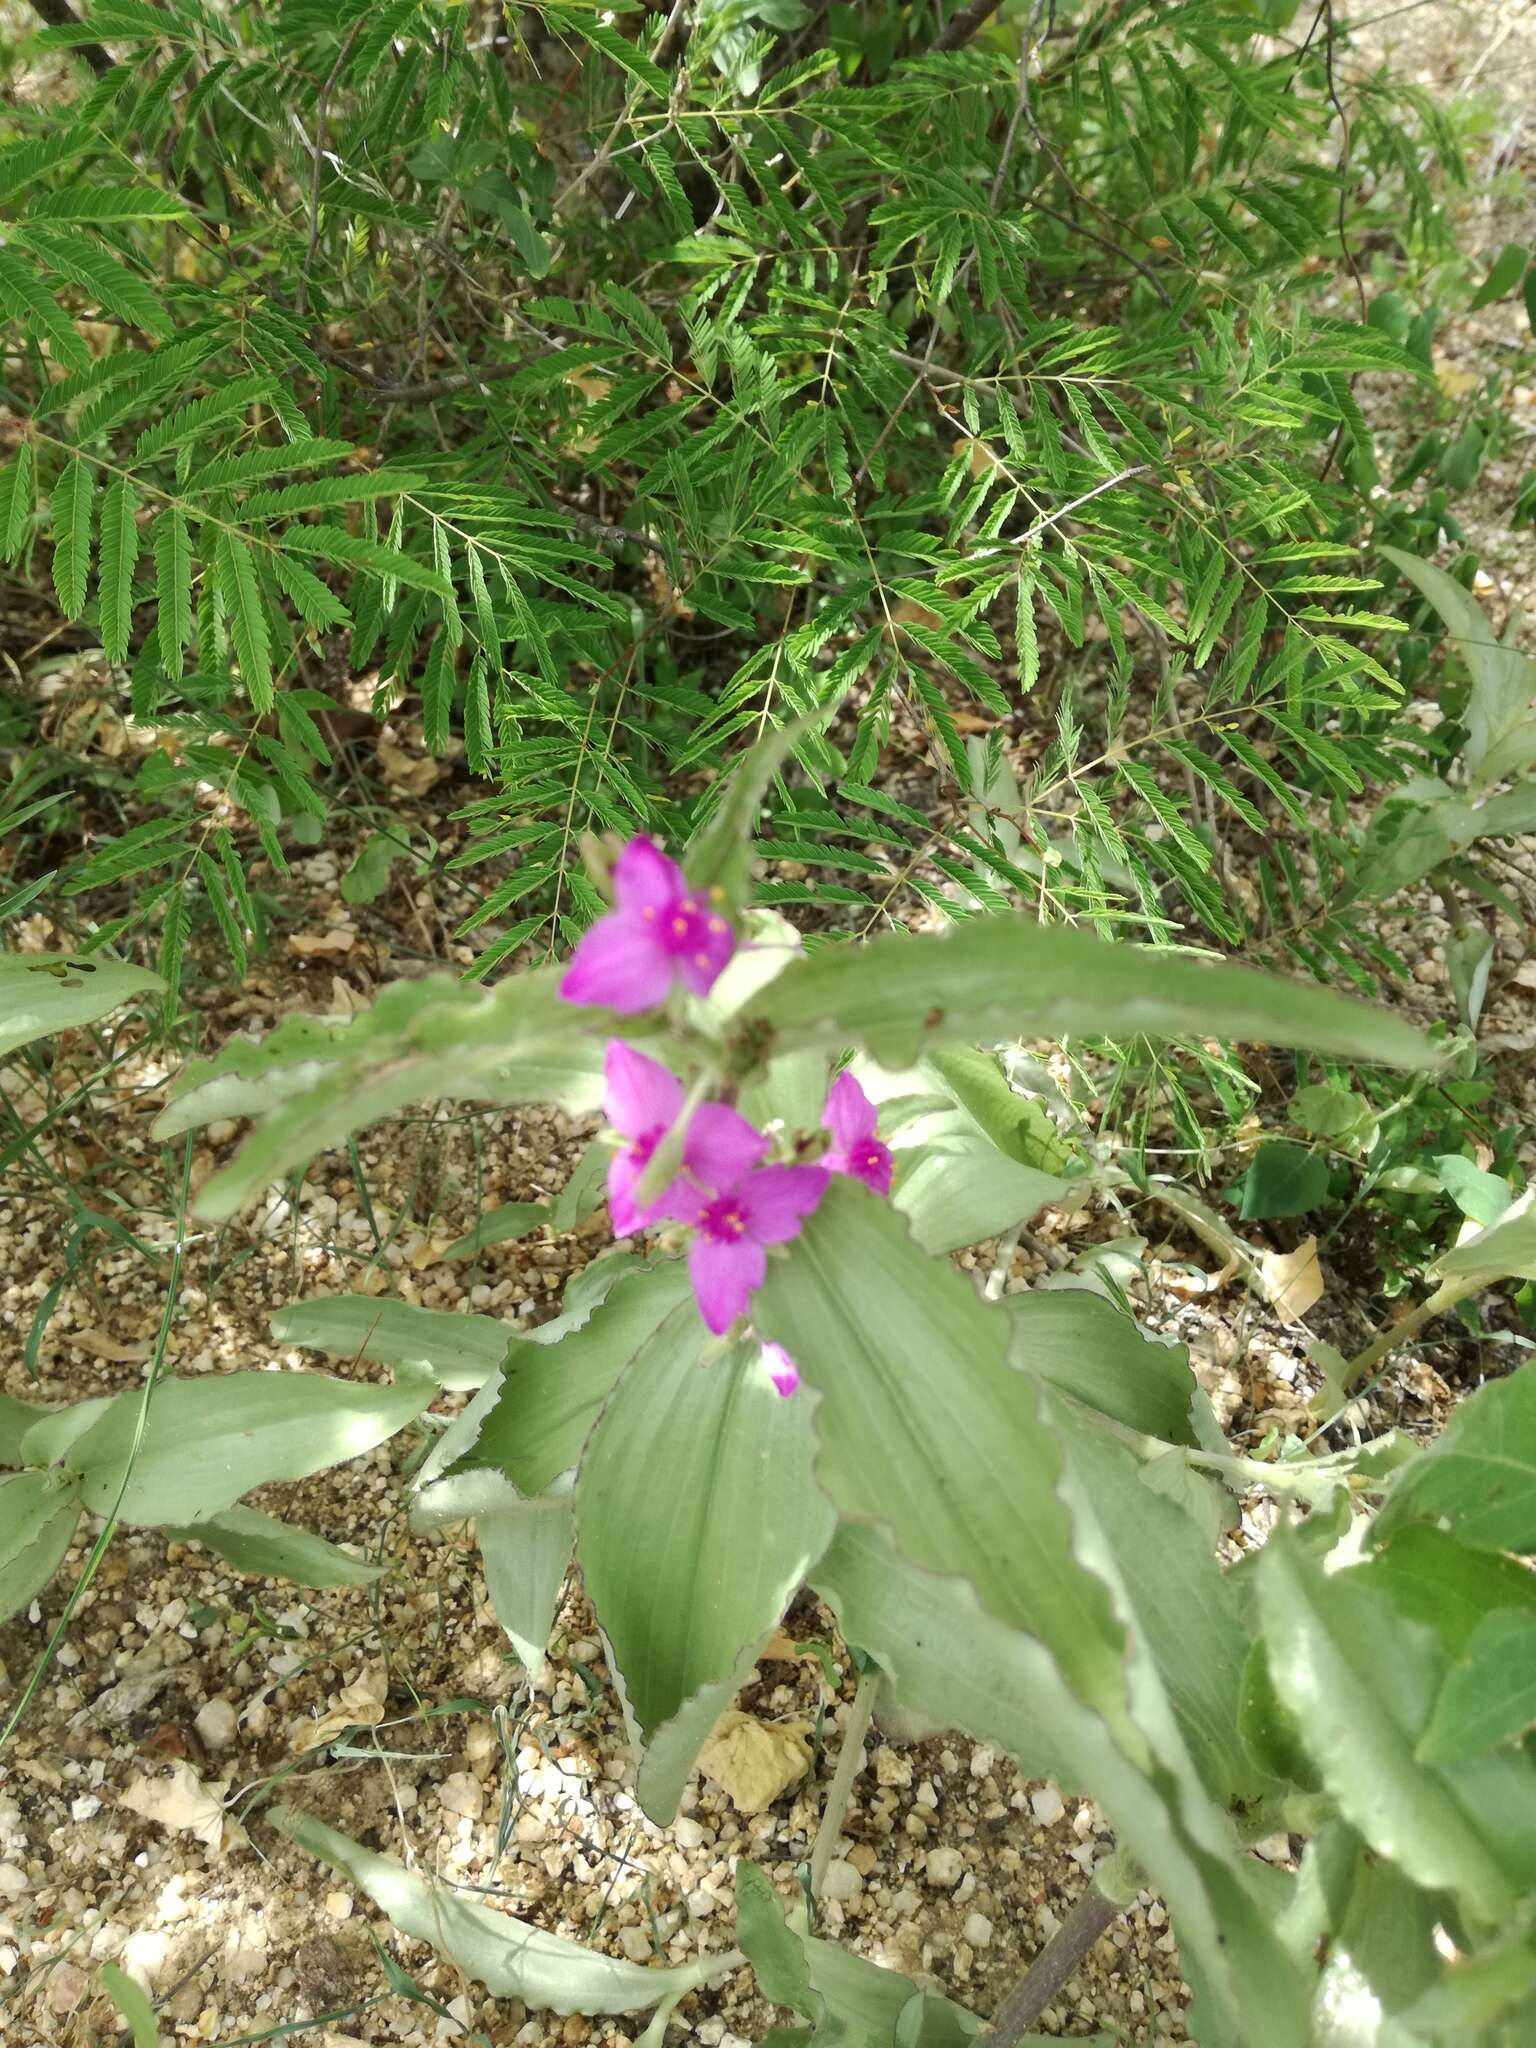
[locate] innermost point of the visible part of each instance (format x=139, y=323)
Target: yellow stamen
x=701, y=959
x=679, y=925
x=648, y=912
x=717, y=924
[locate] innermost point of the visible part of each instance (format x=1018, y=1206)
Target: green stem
x=1445, y=1296
x=850, y=1759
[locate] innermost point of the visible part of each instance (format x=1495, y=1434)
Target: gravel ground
x=187, y=1689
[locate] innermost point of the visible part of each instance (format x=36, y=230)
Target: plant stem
x=1055, y=1966
x=849, y=1759
x=1445, y=1296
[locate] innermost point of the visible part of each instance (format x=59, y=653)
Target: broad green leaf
x=45, y=1440
x=42, y=993
x=173, y=589
x=1085, y=1346
x=1360, y=1685
x=70, y=509
x=1503, y=679
x=525, y=1547
x=955, y=1187
x=1504, y=1249
x=266, y=1548
x=119, y=553
x=210, y=1440
x=1489, y=1694
x=870, y=2007
x=1482, y=1197
x=1475, y=1991
x=925, y=1430
x=531, y=1420
x=421, y=1041
x=510, y=1958
x=16, y=1418
x=502, y=1225
x=1478, y=1478
x=1015, y=1123
x=999, y=979
x=37, y=1519
x=1181, y=1604
x=1280, y=1180
x=777, y=1955
x=947, y=1661
x=1432, y=1578
x=689, y=1577
x=241, y=593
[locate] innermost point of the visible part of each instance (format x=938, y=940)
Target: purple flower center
x=869, y=1158
x=686, y=929
x=723, y=1220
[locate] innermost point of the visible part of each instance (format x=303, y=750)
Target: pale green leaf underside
x=47, y=992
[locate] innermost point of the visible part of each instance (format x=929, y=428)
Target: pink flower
x=660, y=931
x=642, y=1102
x=855, y=1150
x=738, y=1208
x=782, y=1370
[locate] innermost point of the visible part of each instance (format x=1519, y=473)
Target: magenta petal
x=873, y=1165
x=702, y=966
x=782, y=1370
x=724, y=1276
x=620, y=965
x=641, y=1096
x=644, y=879
x=677, y=1202
x=721, y=1145
x=777, y=1199
x=849, y=1114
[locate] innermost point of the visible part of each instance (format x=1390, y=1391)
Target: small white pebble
x=339, y=1905
x=216, y=1723
x=462, y=1794
x=700, y=1904
x=977, y=1930
x=842, y=1882
x=13, y=1880
x=1047, y=1805
x=943, y=1868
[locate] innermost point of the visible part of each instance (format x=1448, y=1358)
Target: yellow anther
x=701, y=959
x=679, y=925
x=717, y=924
x=648, y=912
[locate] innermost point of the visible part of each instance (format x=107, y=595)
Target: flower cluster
x=735, y=1201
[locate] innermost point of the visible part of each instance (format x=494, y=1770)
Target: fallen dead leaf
x=1525, y=974
x=345, y=1002
x=99, y=1345
x=340, y=938
x=359, y=1705
x=414, y=773
x=1293, y=1281
x=754, y=1761
x=182, y=1803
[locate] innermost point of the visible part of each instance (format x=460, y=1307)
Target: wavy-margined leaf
x=924, y=1429
x=1478, y=1478
x=37, y=1520
x=1088, y=1348
x=1503, y=677
x=119, y=553
x=927, y=1432
x=1505, y=1248
x=241, y=593
x=506, y=1955
x=997, y=979
x=690, y=1577
x=209, y=1440
x=531, y=1420
x=525, y=1546
x=462, y=1351
x=173, y=589
x=955, y=1187
x=1489, y=1694
x=1361, y=1685
x=71, y=508
x=320, y=1079
x=42, y=993
x=267, y=1548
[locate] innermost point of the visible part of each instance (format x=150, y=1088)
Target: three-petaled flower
x=855, y=1150
x=659, y=932
x=737, y=1207
x=642, y=1101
